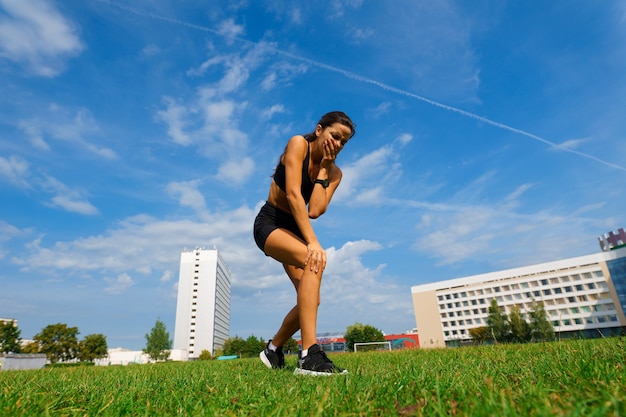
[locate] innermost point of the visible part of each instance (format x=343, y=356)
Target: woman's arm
x=320, y=199
x=293, y=159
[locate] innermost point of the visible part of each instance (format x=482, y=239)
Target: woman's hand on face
x=331, y=149
x=315, y=257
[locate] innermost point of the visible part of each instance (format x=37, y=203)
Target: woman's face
x=336, y=132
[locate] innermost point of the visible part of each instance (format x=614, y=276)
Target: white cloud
x=362, y=178
x=15, y=169
x=571, y=144
x=174, y=116
x=33, y=33
x=72, y=200
x=230, y=29
x=77, y=127
x=34, y=134
x=272, y=110
x=74, y=204
x=8, y=231
x=209, y=121
x=188, y=194
x=459, y=233
x=404, y=138
x=236, y=171
x=118, y=285
x=167, y=276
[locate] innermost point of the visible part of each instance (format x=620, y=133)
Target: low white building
x=583, y=297
x=120, y=356
x=21, y=361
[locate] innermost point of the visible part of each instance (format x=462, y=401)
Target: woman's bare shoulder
x=297, y=145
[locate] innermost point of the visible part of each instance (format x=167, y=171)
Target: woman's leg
x=291, y=323
x=288, y=249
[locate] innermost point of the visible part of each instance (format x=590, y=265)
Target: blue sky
x=488, y=137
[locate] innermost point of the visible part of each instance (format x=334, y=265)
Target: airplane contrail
x=366, y=80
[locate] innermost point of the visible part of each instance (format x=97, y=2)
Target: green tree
x=520, y=329
x=362, y=333
x=497, y=322
x=158, y=342
x=92, y=347
x=540, y=327
x=253, y=346
x=480, y=334
x=205, y=355
x=32, y=347
x=291, y=346
x=10, y=337
x=234, y=346
x=58, y=342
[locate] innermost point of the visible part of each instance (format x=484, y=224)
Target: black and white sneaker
x=317, y=363
x=271, y=359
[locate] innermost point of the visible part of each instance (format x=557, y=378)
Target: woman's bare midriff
x=278, y=198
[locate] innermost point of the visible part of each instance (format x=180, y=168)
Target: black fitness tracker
x=325, y=183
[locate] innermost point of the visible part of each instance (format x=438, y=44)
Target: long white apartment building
x=583, y=297
x=203, y=304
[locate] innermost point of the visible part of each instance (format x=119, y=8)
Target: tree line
x=514, y=328
x=58, y=341
x=250, y=347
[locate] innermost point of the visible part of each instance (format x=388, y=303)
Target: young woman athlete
x=304, y=182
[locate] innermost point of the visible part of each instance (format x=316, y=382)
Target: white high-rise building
x=203, y=306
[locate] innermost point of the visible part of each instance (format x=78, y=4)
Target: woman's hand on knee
x=315, y=257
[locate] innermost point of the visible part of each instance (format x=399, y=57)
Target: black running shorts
x=269, y=219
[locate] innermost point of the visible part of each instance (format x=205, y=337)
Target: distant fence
x=21, y=361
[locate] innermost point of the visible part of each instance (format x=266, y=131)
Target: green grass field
x=568, y=378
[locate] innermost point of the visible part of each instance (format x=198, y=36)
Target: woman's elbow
x=315, y=213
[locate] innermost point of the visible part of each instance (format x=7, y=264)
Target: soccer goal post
x=369, y=346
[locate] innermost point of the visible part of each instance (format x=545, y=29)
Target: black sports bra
x=307, y=185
